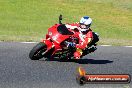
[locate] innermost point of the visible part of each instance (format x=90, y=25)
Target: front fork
x=52, y=47
x=48, y=43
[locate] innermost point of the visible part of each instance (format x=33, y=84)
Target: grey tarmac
x=18, y=71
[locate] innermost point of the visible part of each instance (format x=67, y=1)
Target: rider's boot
x=78, y=54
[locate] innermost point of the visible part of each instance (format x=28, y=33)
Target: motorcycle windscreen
x=62, y=29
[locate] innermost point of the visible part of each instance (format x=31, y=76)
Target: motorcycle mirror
x=60, y=18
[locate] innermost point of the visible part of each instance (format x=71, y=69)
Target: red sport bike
x=55, y=44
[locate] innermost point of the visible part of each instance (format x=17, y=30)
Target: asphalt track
x=18, y=71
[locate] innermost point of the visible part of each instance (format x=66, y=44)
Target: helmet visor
x=83, y=26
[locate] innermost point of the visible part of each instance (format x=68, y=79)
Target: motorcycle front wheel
x=38, y=51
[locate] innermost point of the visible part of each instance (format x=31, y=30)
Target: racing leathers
x=84, y=38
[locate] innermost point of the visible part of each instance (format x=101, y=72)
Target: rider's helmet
x=85, y=23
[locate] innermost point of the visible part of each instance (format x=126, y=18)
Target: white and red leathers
x=84, y=38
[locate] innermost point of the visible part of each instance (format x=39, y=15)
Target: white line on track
x=105, y=45
x=128, y=46
x=28, y=42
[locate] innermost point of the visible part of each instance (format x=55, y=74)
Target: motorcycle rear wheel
x=36, y=52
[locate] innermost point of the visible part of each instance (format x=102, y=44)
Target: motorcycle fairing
x=58, y=33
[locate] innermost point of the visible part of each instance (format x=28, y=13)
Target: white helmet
x=85, y=23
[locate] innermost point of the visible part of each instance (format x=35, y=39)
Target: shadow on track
x=85, y=61
x=92, y=61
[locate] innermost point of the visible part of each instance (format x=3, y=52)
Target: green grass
x=28, y=20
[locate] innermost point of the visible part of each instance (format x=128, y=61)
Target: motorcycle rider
x=85, y=35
